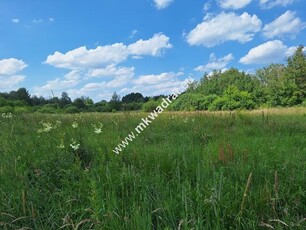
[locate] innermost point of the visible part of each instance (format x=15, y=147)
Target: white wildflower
x=61, y=146
x=98, y=128
x=74, y=145
x=47, y=127
x=7, y=115
x=75, y=125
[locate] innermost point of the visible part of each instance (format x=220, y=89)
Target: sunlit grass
x=201, y=170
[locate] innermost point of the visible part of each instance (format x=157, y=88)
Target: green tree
x=133, y=97
x=21, y=94
x=64, y=100
x=80, y=103
x=296, y=70
x=233, y=99
x=217, y=82
x=115, y=102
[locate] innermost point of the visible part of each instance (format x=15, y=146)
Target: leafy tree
x=150, y=105
x=71, y=109
x=233, y=99
x=80, y=103
x=64, y=100
x=133, y=97
x=217, y=82
x=192, y=102
x=296, y=70
x=115, y=103
x=88, y=101
x=37, y=100
x=271, y=74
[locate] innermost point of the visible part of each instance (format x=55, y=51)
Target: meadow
x=206, y=170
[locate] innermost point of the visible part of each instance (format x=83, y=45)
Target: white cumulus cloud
x=157, y=79
x=153, y=46
x=11, y=66
x=97, y=70
x=225, y=27
x=89, y=58
x=155, y=84
x=268, y=4
x=286, y=24
x=102, y=56
x=215, y=63
x=112, y=71
x=161, y=4
x=233, y=4
x=8, y=83
x=73, y=78
x=9, y=73
x=266, y=53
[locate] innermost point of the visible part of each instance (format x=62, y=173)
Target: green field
x=238, y=170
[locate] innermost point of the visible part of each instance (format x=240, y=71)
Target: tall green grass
x=236, y=170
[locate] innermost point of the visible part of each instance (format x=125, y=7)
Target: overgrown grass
x=238, y=170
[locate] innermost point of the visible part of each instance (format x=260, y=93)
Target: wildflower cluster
x=47, y=127
x=98, y=128
x=74, y=145
x=7, y=115
x=186, y=120
x=75, y=125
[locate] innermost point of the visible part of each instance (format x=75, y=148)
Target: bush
x=208, y=100
x=6, y=109
x=46, y=110
x=132, y=106
x=20, y=110
x=218, y=104
x=150, y=105
x=71, y=109
x=191, y=102
x=102, y=108
x=233, y=99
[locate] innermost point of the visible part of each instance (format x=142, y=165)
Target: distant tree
x=88, y=101
x=133, y=97
x=271, y=74
x=64, y=100
x=35, y=101
x=157, y=97
x=115, y=97
x=4, y=102
x=79, y=103
x=55, y=101
x=296, y=70
x=115, y=103
x=217, y=82
x=150, y=105
x=21, y=94
x=233, y=99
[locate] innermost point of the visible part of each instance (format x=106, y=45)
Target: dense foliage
x=271, y=86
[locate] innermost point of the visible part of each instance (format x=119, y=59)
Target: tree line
x=276, y=85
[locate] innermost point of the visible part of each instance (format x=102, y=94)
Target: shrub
x=20, y=110
x=233, y=99
x=6, y=109
x=191, y=102
x=150, y=106
x=71, y=109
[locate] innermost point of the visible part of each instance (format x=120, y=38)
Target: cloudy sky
x=96, y=47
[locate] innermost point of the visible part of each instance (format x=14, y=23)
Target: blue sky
x=96, y=47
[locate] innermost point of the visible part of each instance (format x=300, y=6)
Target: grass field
x=238, y=170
